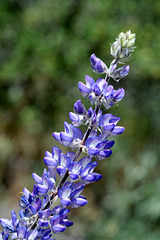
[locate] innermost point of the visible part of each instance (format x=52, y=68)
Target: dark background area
x=44, y=51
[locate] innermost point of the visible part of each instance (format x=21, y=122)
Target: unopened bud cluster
x=39, y=216
x=123, y=46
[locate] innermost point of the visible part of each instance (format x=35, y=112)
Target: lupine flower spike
x=38, y=218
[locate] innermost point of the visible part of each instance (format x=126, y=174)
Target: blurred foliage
x=44, y=51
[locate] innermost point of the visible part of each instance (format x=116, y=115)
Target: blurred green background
x=44, y=51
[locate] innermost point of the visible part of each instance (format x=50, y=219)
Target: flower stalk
x=38, y=219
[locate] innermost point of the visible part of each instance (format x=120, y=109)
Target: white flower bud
x=123, y=46
x=122, y=37
x=129, y=35
x=131, y=43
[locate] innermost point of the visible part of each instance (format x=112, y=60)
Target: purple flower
x=112, y=96
x=120, y=73
x=64, y=162
x=93, y=90
x=74, y=169
x=7, y=225
x=86, y=89
x=70, y=195
x=98, y=65
x=99, y=148
x=16, y=229
x=64, y=195
x=118, y=95
x=44, y=214
x=71, y=137
x=26, y=201
x=79, y=108
x=80, y=115
x=86, y=118
x=101, y=89
x=76, y=119
x=44, y=184
x=36, y=205
x=87, y=175
x=59, y=221
x=52, y=159
x=108, y=122
x=108, y=126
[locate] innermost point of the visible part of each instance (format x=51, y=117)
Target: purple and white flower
x=37, y=217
